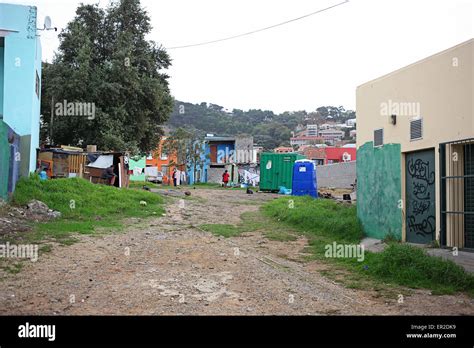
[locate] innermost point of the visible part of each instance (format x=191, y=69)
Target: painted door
x=213, y=153
x=420, y=197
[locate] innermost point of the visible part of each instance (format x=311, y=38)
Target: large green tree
x=105, y=59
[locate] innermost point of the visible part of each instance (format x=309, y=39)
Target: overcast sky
x=319, y=60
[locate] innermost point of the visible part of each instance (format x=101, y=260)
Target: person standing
x=109, y=175
x=175, y=176
x=225, y=178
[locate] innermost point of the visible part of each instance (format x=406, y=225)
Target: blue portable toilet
x=304, y=178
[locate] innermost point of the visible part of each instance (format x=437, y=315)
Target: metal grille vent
x=416, y=129
x=378, y=137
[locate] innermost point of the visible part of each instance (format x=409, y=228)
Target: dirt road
x=168, y=266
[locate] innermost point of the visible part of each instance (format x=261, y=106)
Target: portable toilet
x=276, y=170
x=304, y=178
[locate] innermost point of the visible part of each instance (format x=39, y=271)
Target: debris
x=187, y=193
x=325, y=195
x=146, y=188
x=37, y=206
x=39, y=210
x=143, y=203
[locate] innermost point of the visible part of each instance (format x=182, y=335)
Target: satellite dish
x=47, y=22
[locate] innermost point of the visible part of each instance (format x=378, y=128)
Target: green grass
x=325, y=221
x=85, y=208
x=252, y=222
x=317, y=217
x=223, y=230
x=412, y=266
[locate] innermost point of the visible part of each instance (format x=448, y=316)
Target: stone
x=40, y=209
x=37, y=206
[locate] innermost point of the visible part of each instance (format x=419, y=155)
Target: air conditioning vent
x=378, y=137
x=416, y=129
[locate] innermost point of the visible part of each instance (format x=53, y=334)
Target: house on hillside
x=330, y=136
x=20, y=93
x=312, y=130
x=305, y=140
x=415, y=151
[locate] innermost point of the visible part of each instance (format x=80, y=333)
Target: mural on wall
x=420, y=196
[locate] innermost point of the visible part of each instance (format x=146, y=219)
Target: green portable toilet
x=276, y=169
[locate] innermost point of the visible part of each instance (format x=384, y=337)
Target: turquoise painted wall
x=141, y=163
x=1, y=80
x=22, y=63
x=4, y=160
x=379, y=190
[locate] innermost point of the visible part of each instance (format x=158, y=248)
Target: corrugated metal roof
x=216, y=138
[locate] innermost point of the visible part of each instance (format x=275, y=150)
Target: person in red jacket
x=225, y=178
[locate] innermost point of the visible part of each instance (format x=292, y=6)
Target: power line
x=258, y=30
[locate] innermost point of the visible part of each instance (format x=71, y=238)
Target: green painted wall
x=141, y=163
x=379, y=190
x=4, y=160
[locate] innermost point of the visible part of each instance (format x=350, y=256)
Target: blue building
x=20, y=93
x=229, y=153
x=196, y=169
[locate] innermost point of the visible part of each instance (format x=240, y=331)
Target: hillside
x=268, y=129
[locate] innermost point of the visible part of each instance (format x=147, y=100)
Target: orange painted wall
x=156, y=161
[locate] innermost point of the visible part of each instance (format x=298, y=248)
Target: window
x=164, y=156
x=416, y=129
x=378, y=137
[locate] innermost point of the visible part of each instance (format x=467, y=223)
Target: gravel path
x=169, y=266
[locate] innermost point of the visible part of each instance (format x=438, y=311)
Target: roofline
x=416, y=63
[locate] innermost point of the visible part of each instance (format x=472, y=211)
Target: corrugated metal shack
x=98, y=162
x=69, y=162
x=62, y=162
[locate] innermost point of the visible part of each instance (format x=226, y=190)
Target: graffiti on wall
x=420, y=179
